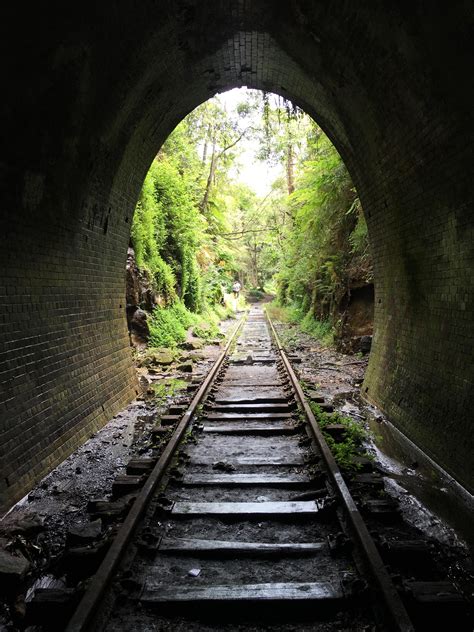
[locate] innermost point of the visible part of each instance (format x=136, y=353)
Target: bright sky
x=252, y=172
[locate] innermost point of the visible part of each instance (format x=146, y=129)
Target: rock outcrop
x=141, y=299
x=357, y=319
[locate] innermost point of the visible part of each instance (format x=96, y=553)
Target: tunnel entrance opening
x=388, y=87
x=247, y=189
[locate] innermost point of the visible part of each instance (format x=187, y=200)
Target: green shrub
x=208, y=325
x=293, y=314
x=255, y=293
x=320, y=329
x=166, y=233
x=168, y=325
x=167, y=388
x=344, y=451
x=223, y=312
x=277, y=312
x=327, y=244
x=183, y=315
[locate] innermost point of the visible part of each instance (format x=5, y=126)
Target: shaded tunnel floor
x=44, y=520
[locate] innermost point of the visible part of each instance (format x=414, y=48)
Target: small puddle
x=412, y=470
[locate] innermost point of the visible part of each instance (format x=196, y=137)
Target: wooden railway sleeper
x=169, y=508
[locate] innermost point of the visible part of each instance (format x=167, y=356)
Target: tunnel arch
x=97, y=97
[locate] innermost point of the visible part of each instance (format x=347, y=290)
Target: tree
x=196, y=226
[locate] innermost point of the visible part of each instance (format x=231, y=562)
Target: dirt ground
x=37, y=527
x=429, y=500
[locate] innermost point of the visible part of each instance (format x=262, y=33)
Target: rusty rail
x=399, y=619
x=90, y=601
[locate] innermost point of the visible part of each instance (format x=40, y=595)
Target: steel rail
x=399, y=618
x=91, y=599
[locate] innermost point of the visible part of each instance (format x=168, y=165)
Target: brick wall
x=66, y=360
x=92, y=95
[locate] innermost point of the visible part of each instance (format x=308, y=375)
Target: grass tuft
x=345, y=451
x=293, y=315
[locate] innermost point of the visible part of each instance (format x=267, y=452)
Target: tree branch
x=222, y=151
x=241, y=232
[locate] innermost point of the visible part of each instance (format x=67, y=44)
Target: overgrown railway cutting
x=246, y=517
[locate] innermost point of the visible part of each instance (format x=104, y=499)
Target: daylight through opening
x=248, y=189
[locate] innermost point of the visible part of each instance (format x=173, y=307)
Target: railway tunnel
x=93, y=91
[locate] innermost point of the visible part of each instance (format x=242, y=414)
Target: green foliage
x=314, y=262
x=222, y=312
x=277, y=312
x=320, y=329
x=175, y=236
x=149, y=234
x=206, y=330
x=168, y=326
x=181, y=218
x=256, y=293
x=165, y=234
x=359, y=236
x=168, y=387
x=294, y=314
x=327, y=244
x=208, y=327
x=345, y=451
x=215, y=279
x=196, y=229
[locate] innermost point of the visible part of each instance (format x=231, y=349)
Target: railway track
x=246, y=518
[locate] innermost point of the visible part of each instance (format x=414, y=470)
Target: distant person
x=236, y=289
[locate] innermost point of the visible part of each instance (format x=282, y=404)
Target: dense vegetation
x=326, y=246
x=197, y=226
x=176, y=227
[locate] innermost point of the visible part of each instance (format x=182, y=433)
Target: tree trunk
x=254, y=260
x=212, y=171
x=290, y=168
x=210, y=179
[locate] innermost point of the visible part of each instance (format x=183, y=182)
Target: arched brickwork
x=90, y=94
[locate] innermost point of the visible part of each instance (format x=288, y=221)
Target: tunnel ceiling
x=93, y=91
